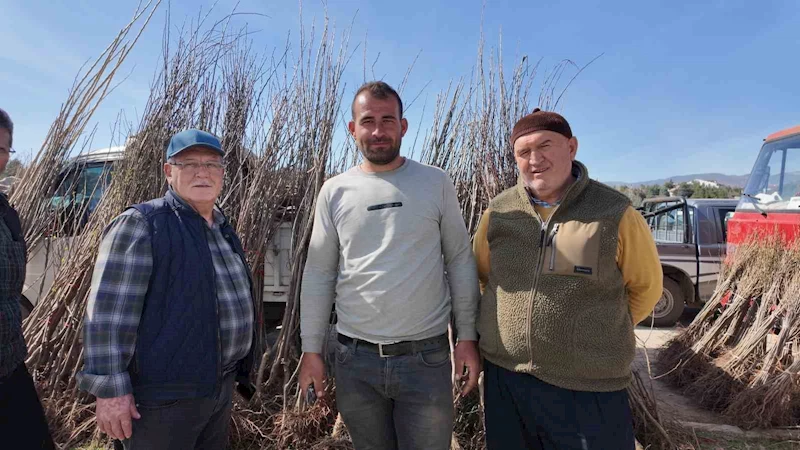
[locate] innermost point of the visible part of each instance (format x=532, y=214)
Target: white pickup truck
x=83, y=181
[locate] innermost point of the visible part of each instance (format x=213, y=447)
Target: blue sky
x=678, y=90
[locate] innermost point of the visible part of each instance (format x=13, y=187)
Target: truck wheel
x=669, y=307
x=273, y=315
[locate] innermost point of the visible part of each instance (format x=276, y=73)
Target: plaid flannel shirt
x=122, y=273
x=12, y=278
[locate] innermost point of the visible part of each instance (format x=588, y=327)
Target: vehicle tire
x=273, y=315
x=25, y=306
x=669, y=307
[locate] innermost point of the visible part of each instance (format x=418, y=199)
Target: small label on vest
x=384, y=206
x=583, y=270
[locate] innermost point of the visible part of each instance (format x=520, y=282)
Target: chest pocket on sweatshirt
x=573, y=249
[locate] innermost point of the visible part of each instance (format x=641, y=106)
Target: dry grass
x=706, y=441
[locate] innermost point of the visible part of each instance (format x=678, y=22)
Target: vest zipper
x=539, y=264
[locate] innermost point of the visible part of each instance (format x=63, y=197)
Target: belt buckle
x=380, y=352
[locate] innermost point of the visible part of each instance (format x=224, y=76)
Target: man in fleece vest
x=169, y=324
x=568, y=268
x=390, y=246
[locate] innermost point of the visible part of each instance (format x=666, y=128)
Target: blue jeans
x=395, y=403
x=188, y=424
x=523, y=412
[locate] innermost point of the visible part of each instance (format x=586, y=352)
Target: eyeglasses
x=7, y=151
x=194, y=167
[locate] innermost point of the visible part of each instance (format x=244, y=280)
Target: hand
x=114, y=416
x=467, y=357
x=312, y=371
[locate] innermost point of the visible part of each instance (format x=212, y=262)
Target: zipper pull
x=553, y=234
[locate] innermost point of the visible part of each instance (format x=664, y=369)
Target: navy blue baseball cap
x=191, y=138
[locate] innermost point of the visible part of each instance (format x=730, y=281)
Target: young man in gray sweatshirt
x=390, y=246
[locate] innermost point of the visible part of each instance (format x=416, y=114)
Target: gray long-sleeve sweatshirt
x=387, y=246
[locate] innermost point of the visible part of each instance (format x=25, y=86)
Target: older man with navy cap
x=169, y=325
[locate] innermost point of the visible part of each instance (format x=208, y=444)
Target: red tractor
x=770, y=203
x=771, y=199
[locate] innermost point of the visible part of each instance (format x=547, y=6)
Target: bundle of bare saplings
x=277, y=116
x=741, y=355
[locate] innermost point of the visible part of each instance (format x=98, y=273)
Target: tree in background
x=686, y=189
x=653, y=190
x=14, y=168
x=636, y=195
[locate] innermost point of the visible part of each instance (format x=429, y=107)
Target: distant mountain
x=719, y=178
x=710, y=178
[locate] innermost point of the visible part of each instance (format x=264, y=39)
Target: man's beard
x=381, y=157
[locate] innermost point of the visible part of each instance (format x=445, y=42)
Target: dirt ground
x=649, y=340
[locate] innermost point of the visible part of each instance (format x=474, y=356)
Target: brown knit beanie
x=540, y=120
